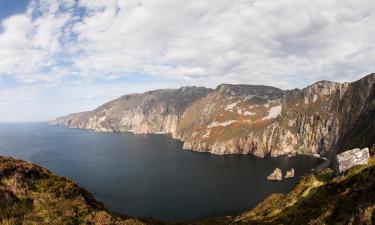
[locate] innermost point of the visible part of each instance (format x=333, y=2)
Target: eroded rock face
x=346, y=160
x=151, y=112
x=276, y=175
x=246, y=119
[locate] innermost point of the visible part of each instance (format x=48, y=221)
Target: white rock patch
x=315, y=98
x=224, y=124
x=207, y=134
x=274, y=112
x=248, y=113
x=231, y=106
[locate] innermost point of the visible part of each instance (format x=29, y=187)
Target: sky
x=63, y=56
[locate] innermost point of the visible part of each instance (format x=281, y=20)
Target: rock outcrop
x=346, y=160
x=289, y=173
x=246, y=119
x=276, y=175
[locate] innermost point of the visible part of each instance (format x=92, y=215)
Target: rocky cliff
x=151, y=112
x=246, y=119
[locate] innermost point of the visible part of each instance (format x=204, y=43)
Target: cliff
x=246, y=119
x=151, y=112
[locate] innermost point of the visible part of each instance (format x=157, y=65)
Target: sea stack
x=289, y=173
x=275, y=175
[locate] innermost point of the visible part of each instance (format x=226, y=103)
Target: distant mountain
x=246, y=119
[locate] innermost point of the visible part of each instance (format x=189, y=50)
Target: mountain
x=152, y=112
x=246, y=119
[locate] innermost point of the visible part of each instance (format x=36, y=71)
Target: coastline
x=210, y=151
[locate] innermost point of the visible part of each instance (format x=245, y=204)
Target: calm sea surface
x=151, y=175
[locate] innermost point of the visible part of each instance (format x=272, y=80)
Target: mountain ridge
x=244, y=119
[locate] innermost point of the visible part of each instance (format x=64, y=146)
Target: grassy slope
x=30, y=194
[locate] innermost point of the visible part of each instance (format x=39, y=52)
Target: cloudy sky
x=58, y=57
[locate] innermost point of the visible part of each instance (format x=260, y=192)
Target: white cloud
x=251, y=41
x=30, y=45
x=243, y=41
x=285, y=43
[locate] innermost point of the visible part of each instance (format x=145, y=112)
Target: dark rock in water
x=348, y=159
x=276, y=175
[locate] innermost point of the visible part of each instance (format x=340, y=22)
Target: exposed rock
x=276, y=175
x=348, y=159
x=246, y=119
x=289, y=173
x=151, y=112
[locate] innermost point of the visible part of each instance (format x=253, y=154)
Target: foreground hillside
x=246, y=119
x=30, y=194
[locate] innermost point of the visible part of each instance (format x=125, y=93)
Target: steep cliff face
x=261, y=120
x=231, y=119
x=246, y=119
x=151, y=112
x=358, y=106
